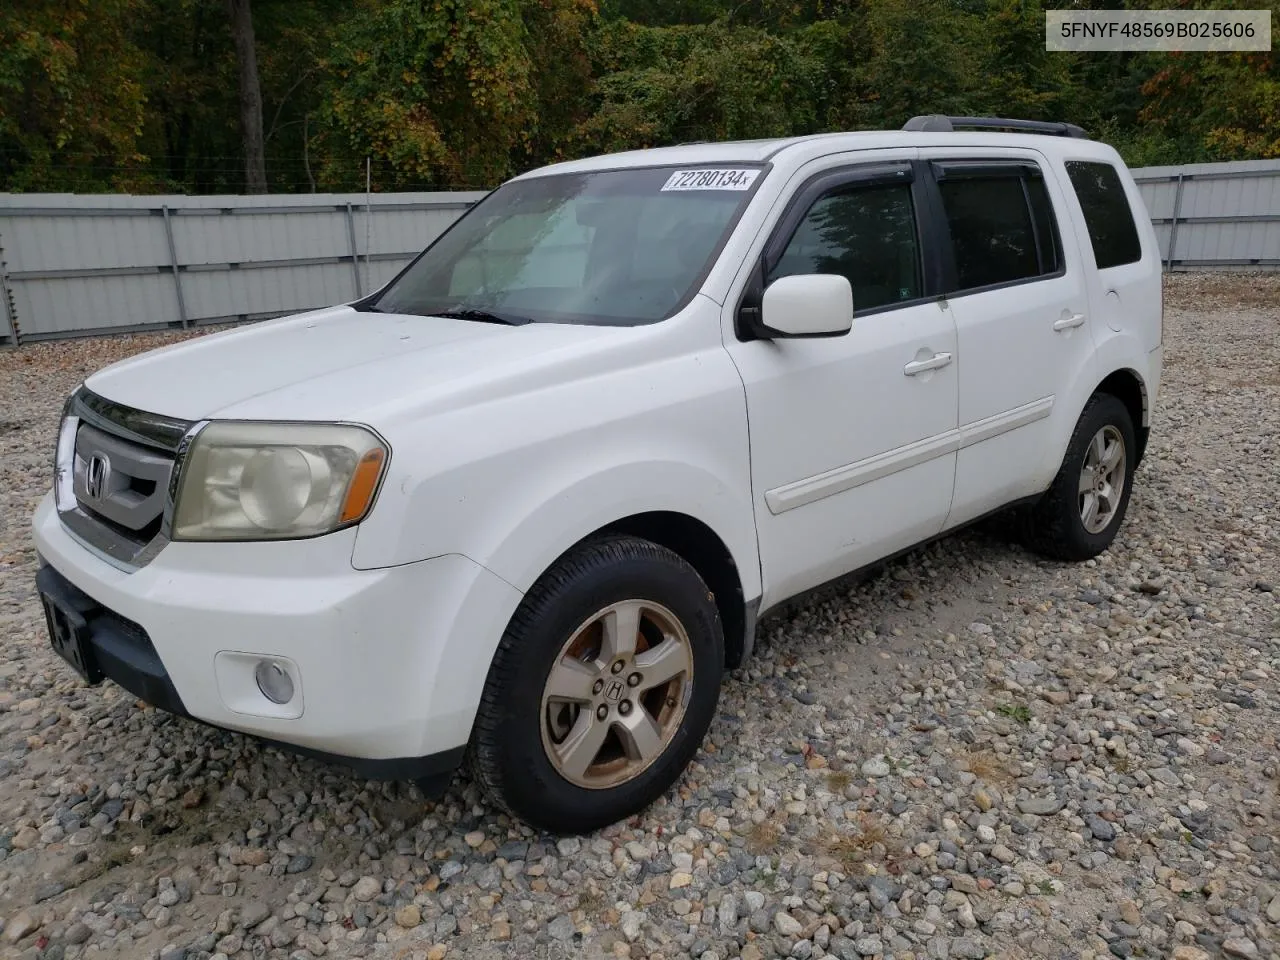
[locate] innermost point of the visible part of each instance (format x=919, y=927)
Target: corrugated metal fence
x=72, y=265
x=1215, y=216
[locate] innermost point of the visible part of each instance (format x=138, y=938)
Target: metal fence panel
x=211, y=237
x=74, y=306
x=75, y=265
x=1215, y=215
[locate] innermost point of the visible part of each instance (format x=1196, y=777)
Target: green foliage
x=711, y=82
x=1186, y=94
x=141, y=95
x=914, y=58
x=447, y=92
x=69, y=92
x=1015, y=711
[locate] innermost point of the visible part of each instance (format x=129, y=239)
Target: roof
x=803, y=148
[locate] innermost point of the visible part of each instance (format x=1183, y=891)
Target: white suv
x=525, y=503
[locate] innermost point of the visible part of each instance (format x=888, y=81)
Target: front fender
x=534, y=536
x=513, y=484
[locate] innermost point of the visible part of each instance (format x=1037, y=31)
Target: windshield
x=616, y=247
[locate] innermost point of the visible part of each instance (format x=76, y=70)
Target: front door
x=852, y=437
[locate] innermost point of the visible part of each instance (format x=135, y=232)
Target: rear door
x=1015, y=286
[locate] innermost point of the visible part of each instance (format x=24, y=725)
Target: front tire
x=602, y=689
x=1080, y=515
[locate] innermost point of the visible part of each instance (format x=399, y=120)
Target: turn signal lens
x=363, y=484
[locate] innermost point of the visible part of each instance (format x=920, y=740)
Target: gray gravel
x=973, y=753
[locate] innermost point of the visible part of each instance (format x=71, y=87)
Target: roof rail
x=936, y=123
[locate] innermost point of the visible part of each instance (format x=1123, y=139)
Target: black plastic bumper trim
x=123, y=653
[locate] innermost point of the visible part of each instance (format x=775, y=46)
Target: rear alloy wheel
x=1081, y=513
x=602, y=688
x=1102, y=479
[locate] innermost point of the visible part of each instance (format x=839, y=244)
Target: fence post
x=10, y=328
x=1173, y=226
x=355, y=254
x=173, y=265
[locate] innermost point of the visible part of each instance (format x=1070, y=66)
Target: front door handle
x=1066, y=323
x=917, y=367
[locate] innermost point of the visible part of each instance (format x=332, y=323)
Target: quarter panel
x=1114, y=351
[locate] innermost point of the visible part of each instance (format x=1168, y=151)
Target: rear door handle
x=1066, y=323
x=917, y=367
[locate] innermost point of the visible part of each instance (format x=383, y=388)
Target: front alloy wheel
x=602, y=688
x=617, y=694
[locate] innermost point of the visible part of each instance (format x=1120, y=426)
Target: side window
x=1002, y=227
x=1106, y=213
x=865, y=233
x=1047, y=241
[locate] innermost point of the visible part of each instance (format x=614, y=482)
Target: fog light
x=274, y=681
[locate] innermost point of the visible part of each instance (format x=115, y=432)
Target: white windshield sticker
x=711, y=179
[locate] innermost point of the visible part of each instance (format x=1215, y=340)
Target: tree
x=1185, y=99
x=255, y=157
x=657, y=86
x=211, y=96
x=72, y=104
x=915, y=56
x=444, y=93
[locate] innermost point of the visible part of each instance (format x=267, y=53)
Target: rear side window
x=1106, y=213
x=1001, y=224
x=866, y=234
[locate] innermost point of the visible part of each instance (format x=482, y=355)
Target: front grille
x=120, y=467
x=120, y=482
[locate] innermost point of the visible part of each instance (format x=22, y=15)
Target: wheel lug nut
x=599, y=685
x=633, y=680
x=617, y=667
x=624, y=707
x=601, y=712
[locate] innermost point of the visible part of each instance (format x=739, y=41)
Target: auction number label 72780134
x=711, y=179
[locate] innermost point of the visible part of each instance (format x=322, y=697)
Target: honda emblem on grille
x=96, y=475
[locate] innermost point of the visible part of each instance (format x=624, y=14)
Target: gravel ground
x=972, y=753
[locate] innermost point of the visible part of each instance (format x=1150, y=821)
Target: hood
x=340, y=364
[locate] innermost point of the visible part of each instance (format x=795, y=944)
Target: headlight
x=276, y=481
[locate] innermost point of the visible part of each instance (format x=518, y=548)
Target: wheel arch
x=1127, y=386
x=702, y=547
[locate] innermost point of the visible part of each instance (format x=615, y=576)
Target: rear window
x=1112, y=231
x=1001, y=225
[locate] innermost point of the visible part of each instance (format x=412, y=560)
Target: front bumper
x=389, y=663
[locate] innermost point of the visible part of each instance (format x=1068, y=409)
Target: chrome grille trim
x=129, y=423
x=155, y=445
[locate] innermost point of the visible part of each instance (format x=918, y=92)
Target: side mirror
x=808, y=305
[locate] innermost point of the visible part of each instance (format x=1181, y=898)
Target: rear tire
x=1080, y=515
x=602, y=689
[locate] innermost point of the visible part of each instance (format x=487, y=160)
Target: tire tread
x=585, y=558
x=1045, y=526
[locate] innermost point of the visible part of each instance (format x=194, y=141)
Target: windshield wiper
x=482, y=316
